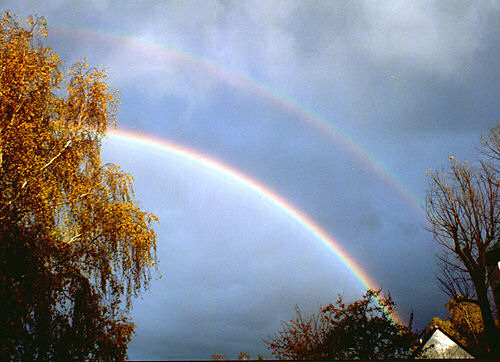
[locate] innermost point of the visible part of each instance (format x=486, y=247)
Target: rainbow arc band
x=168, y=148
x=244, y=82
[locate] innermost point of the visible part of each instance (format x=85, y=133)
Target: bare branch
x=463, y=210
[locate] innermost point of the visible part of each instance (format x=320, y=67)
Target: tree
x=491, y=144
x=75, y=247
x=242, y=356
x=363, y=329
x=463, y=210
x=465, y=324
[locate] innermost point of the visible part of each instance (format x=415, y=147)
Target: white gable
x=441, y=346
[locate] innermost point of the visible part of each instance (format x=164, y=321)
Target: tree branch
x=58, y=155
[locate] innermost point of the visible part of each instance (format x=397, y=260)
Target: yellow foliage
x=52, y=181
x=465, y=325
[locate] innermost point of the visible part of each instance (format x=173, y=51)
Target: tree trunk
x=489, y=323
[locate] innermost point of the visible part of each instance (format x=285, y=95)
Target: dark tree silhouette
x=363, y=329
x=463, y=210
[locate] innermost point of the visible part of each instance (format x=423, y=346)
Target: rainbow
x=164, y=147
x=244, y=82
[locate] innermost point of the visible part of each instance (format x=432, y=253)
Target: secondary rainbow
x=208, y=163
x=244, y=82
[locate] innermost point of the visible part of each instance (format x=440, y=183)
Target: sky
x=337, y=108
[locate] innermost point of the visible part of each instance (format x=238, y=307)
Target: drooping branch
x=75, y=246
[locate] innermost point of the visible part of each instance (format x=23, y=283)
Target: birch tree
x=75, y=247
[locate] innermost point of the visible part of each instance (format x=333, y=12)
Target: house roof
x=439, y=344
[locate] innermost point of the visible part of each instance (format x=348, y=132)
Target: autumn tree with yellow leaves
x=75, y=247
x=465, y=324
x=364, y=329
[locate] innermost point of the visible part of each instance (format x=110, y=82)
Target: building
x=439, y=344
